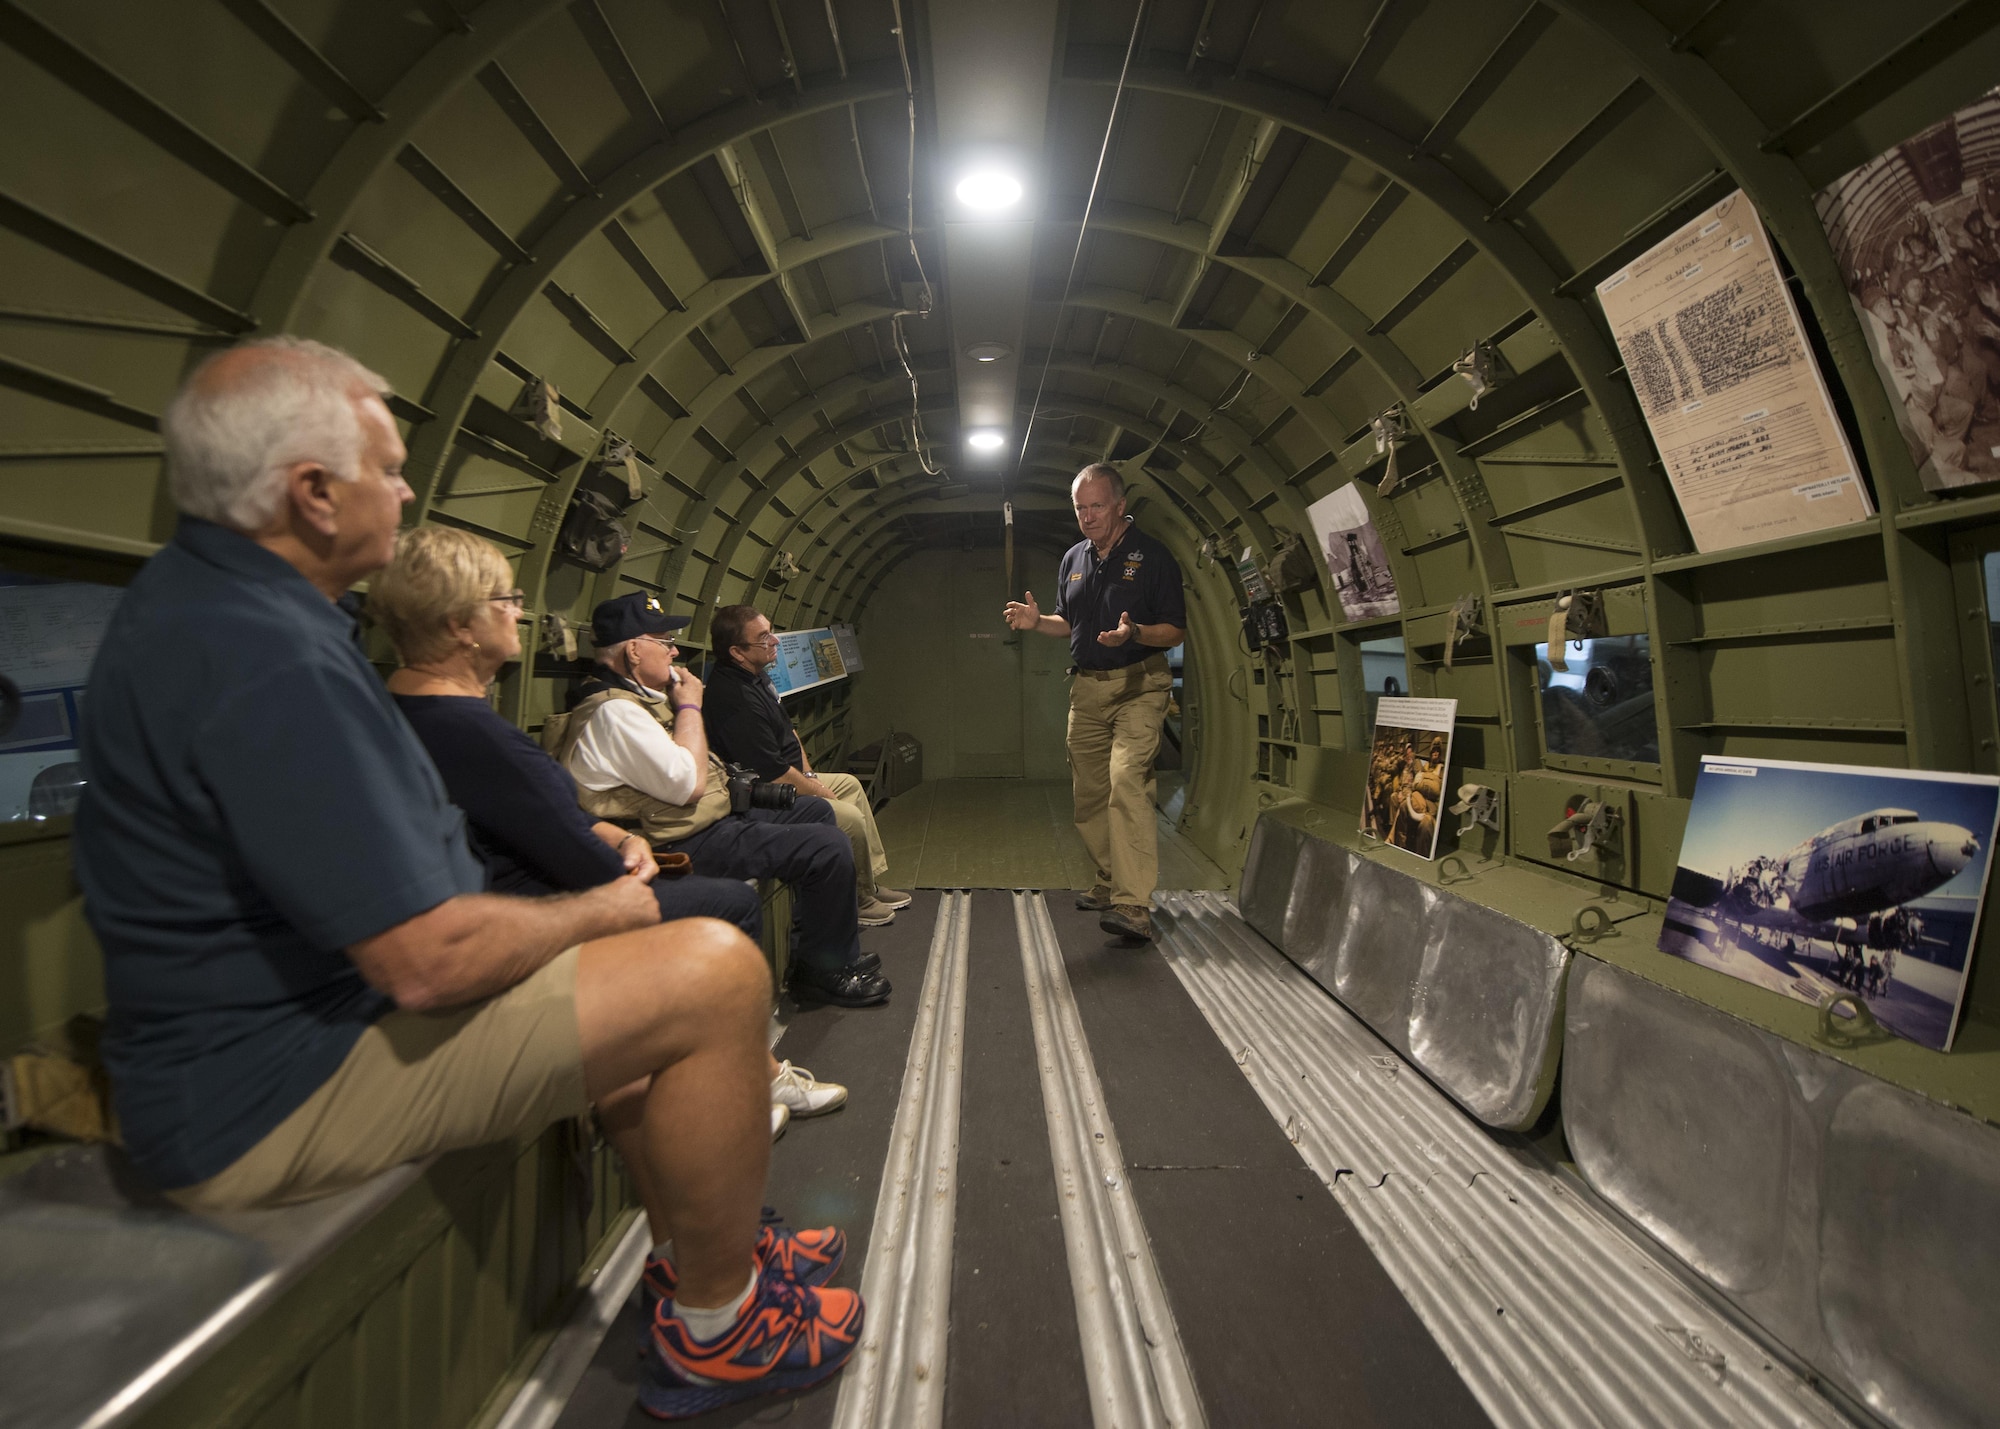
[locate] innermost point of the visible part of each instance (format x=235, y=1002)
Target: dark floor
x=1014, y=833
x=1286, y=1316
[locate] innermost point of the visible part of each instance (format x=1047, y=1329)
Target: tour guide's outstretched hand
x=1022, y=617
x=1126, y=630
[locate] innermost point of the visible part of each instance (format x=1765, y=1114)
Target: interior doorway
x=986, y=702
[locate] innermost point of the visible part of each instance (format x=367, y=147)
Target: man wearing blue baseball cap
x=635, y=742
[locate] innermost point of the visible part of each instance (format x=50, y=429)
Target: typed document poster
x=1735, y=403
x=1824, y=882
x=1406, y=772
x=1917, y=234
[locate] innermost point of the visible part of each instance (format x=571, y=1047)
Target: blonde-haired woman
x=448, y=603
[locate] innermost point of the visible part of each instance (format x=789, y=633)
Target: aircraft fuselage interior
x=1392, y=608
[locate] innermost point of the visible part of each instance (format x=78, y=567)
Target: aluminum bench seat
x=110, y=1295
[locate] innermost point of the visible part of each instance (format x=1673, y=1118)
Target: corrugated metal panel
x=1553, y=1314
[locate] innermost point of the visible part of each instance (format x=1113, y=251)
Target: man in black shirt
x=748, y=726
x=1119, y=601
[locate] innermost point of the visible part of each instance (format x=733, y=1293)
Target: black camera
x=747, y=792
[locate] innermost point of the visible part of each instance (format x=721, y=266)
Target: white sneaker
x=781, y=1117
x=795, y=1090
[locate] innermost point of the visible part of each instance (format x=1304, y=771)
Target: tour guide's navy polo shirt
x=746, y=723
x=1139, y=576
x=255, y=804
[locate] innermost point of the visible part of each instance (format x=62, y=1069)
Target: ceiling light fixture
x=988, y=351
x=988, y=190
x=986, y=441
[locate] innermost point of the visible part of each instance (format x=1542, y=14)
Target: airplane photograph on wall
x=1823, y=881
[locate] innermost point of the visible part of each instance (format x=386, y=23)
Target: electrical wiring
x=918, y=442
x=1104, y=150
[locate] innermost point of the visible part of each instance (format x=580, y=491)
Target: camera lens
x=766, y=795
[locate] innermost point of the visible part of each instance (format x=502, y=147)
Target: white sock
x=706, y=1325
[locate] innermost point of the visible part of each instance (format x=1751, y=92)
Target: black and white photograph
x=1823, y=881
x=1356, y=560
x=1917, y=235
x=1406, y=773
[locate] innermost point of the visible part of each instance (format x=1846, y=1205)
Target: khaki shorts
x=418, y=1083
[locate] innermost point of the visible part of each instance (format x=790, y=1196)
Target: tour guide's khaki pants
x=857, y=821
x=1114, y=733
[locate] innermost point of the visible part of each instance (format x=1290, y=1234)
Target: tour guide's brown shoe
x=893, y=897
x=1098, y=899
x=1129, y=921
x=871, y=913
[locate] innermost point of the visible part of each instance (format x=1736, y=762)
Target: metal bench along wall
x=1471, y=996
x=1857, y=1222
x=1852, y=1220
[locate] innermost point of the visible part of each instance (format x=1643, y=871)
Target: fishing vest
x=659, y=821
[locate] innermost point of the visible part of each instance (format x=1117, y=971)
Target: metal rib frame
x=1550, y=1311
x=1133, y=1359
x=897, y=1374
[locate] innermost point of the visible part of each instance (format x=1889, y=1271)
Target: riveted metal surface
x=1487, y=1011
x=1678, y=1116
x=1909, y=1273
x=1268, y=871
x=1382, y=947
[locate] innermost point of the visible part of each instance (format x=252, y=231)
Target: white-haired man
x=1120, y=605
x=306, y=985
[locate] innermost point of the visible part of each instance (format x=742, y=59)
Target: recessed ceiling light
x=988, y=189
x=986, y=441
x=988, y=351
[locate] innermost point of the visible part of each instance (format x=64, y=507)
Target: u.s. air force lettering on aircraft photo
x=1821, y=881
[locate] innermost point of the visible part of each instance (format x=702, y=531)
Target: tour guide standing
x=1119, y=600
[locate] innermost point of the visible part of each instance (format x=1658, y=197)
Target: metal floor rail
x=1548, y=1308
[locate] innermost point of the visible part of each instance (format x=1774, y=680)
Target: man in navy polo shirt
x=306, y=985
x=748, y=726
x=1119, y=602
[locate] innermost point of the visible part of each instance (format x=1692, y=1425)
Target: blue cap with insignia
x=626, y=617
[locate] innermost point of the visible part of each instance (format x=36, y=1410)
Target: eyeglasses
x=669, y=641
x=516, y=598
x=766, y=639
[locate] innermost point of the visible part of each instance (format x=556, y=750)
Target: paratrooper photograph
x=1406, y=773
x=1824, y=882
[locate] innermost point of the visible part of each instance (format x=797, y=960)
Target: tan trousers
x=857, y=821
x=1114, y=733
x=419, y=1082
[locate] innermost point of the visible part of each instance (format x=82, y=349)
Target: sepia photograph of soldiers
x=1917, y=235
x=1405, y=794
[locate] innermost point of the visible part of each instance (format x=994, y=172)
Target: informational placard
x=1406, y=773
x=807, y=658
x=49, y=634
x=850, y=647
x=1829, y=881
x=1355, y=556
x=1917, y=234
x=1735, y=402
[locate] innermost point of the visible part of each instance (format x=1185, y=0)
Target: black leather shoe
x=848, y=987
x=866, y=963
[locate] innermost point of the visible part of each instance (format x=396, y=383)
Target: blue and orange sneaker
x=787, y=1337
x=810, y=1257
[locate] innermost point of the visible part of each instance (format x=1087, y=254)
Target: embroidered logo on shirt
x=1076, y=575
